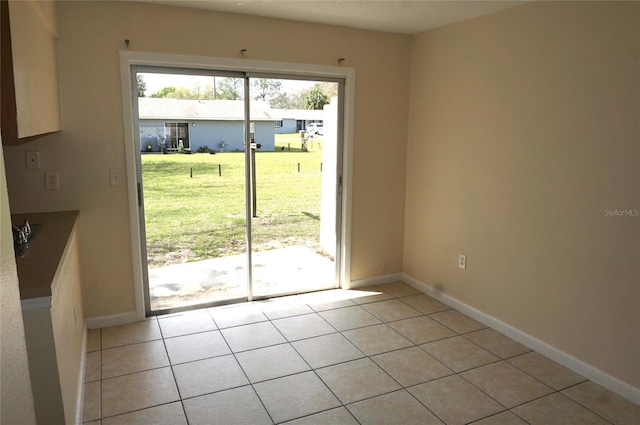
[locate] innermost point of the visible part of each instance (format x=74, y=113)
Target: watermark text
x=622, y=213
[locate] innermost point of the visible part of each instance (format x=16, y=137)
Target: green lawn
x=203, y=216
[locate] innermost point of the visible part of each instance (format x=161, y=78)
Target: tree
x=266, y=88
x=316, y=99
x=183, y=93
x=195, y=93
x=295, y=100
x=164, y=92
x=142, y=86
x=329, y=89
x=229, y=89
x=281, y=101
x=209, y=92
x=298, y=99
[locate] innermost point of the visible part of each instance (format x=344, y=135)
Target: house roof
x=219, y=110
x=300, y=114
x=189, y=109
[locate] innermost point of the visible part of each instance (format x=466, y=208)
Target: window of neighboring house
x=278, y=124
x=177, y=132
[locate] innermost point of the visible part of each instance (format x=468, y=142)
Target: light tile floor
x=386, y=354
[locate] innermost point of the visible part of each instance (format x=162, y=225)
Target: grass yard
x=200, y=217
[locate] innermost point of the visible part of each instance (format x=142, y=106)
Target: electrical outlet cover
x=115, y=175
x=51, y=180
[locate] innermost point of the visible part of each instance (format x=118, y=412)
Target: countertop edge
x=38, y=268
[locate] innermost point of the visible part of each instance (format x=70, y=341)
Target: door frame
x=129, y=59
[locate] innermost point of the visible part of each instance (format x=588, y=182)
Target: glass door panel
x=193, y=176
x=238, y=187
x=293, y=230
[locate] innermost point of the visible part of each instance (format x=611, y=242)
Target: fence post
x=298, y=167
x=219, y=170
x=191, y=172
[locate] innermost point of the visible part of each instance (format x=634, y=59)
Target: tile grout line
x=241, y=368
x=287, y=342
x=314, y=370
x=454, y=373
x=173, y=373
x=367, y=356
x=500, y=359
x=133, y=373
x=311, y=369
x=138, y=410
x=580, y=404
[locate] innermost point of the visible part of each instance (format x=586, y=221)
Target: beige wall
x=523, y=131
x=90, y=36
x=16, y=398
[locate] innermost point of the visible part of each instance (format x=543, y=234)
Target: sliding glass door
x=293, y=226
x=239, y=195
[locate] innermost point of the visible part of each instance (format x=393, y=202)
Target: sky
x=156, y=82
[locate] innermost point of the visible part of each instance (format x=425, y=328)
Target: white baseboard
x=376, y=280
x=596, y=375
x=112, y=320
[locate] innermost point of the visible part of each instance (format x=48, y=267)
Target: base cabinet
x=55, y=332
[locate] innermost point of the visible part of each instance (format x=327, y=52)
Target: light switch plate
x=462, y=261
x=33, y=159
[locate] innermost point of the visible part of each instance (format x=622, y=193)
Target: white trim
x=375, y=280
x=113, y=320
x=132, y=189
x=129, y=58
x=596, y=375
x=347, y=177
x=80, y=396
x=36, y=303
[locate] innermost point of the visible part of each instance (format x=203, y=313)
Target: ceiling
x=397, y=16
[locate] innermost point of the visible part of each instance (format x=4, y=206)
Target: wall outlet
x=51, y=180
x=32, y=159
x=462, y=261
x=115, y=175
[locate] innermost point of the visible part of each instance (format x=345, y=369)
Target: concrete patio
x=278, y=271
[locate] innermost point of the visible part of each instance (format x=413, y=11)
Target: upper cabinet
x=30, y=99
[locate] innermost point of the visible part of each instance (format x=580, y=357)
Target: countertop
x=37, y=269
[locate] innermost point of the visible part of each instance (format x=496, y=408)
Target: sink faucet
x=22, y=233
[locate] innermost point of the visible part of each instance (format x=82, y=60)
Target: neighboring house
x=294, y=120
x=217, y=124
